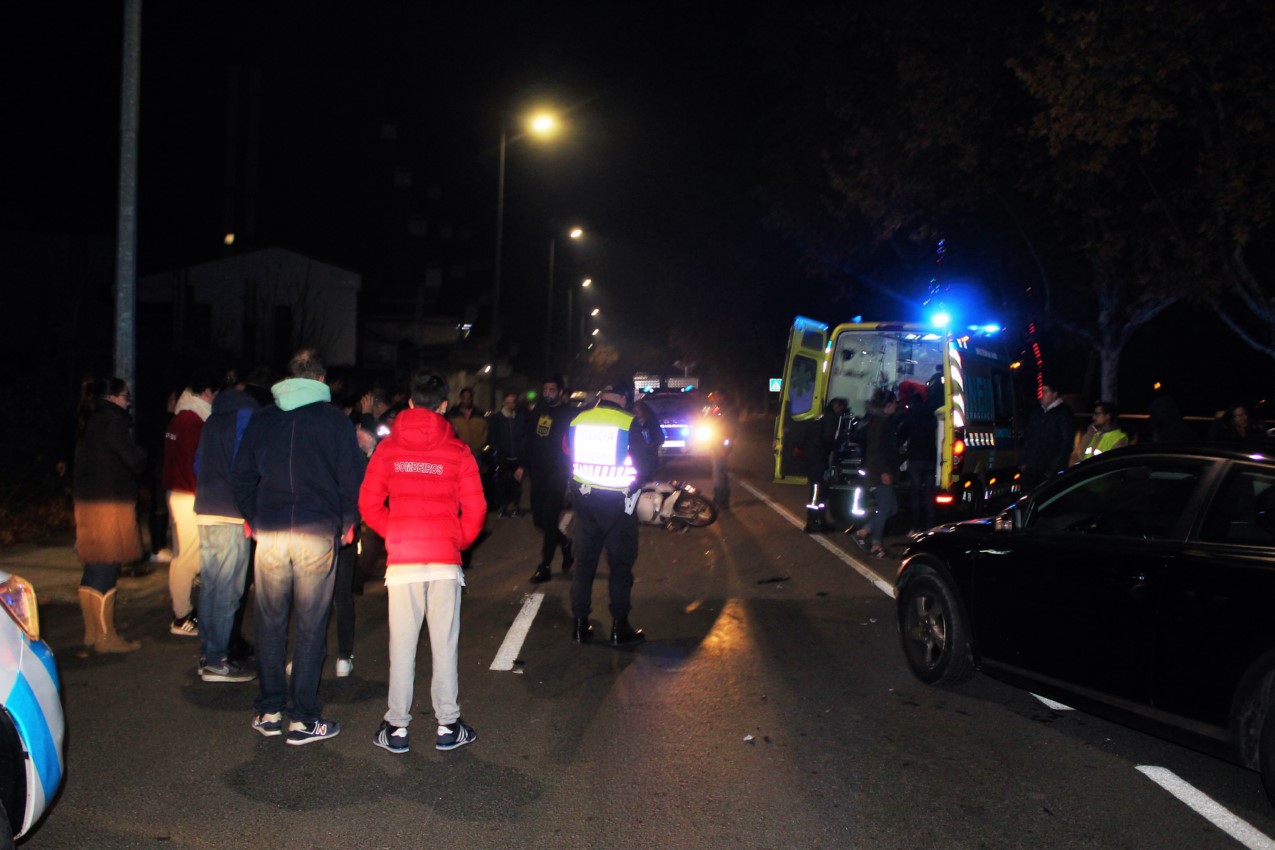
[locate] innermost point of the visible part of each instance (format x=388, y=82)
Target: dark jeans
x=343, y=599
x=601, y=523
x=721, y=480
x=548, y=491
x=371, y=557
x=921, y=477
x=223, y=563
x=508, y=489
x=100, y=577
x=295, y=576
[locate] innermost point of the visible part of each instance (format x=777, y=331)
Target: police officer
x=610, y=458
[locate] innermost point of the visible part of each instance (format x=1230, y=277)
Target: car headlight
x=705, y=433
x=18, y=599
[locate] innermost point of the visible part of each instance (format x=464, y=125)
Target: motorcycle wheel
x=695, y=510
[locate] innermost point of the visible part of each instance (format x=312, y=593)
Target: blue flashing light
x=856, y=320
x=986, y=329
x=941, y=319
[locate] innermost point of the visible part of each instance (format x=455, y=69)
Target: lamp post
x=543, y=125
x=574, y=233
x=573, y=339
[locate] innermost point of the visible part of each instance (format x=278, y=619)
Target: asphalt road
x=770, y=708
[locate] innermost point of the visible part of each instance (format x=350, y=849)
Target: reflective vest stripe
x=599, y=449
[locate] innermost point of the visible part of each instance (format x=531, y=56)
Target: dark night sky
x=659, y=162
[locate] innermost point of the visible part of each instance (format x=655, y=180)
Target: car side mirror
x=1008, y=519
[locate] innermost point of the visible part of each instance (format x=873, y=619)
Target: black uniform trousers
x=601, y=523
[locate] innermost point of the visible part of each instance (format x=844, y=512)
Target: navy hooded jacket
x=299, y=465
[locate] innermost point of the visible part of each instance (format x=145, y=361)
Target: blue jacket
x=299, y=466
x=215, y=457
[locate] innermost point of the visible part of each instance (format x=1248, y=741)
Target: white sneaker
x=162, y=556
x=344, y=667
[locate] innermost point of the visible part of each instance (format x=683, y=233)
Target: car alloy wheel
x=935, y=639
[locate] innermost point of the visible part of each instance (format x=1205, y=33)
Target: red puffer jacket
x=436, y=505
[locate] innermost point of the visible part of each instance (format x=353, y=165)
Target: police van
x=689, y=428
x=31, y=720
x=980, y=412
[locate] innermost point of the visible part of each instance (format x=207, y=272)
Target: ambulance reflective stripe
x=600, y=449
x=958, y=387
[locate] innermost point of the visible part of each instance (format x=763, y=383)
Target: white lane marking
x=1208, y=808
x=517, y=632
x=1056, y=706
x=862, y=570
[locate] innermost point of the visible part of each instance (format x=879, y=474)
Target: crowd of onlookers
x=277, y=484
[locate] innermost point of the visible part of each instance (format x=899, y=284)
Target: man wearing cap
x=610, y=458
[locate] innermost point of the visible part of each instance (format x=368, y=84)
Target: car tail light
x=18, y=598
x=944, y=499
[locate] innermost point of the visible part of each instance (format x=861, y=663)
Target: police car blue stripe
x=23, y=706
x=41, y=650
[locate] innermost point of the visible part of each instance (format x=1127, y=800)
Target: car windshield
x=676, y=408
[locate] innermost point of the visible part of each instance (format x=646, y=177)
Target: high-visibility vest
x=1105, y=441
x=600, y=449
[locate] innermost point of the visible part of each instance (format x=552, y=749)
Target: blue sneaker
x=392, y=738
x=307, y=733
x=457, y=734
x=269, y=724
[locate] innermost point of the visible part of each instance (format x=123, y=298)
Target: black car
x=1136, y=585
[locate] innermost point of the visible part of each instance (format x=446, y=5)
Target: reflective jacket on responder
x=600, y=449
x=1105, y=441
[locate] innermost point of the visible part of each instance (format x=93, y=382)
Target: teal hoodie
x=292, y=393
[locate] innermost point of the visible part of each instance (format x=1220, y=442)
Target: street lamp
x=543, y=125
x=573, y=233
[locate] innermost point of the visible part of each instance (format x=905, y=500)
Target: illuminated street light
x=596, y=311
x=543, y=124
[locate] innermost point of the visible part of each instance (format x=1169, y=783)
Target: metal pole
x=495, y=271
x=553, y=240
x=571, y=337
x=126, y=229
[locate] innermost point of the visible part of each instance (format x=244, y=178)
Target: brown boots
x=99, y=622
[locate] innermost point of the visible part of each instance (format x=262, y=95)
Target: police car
x=31, y=723
x=688, y=430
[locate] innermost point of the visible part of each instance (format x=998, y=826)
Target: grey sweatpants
x=436, y=603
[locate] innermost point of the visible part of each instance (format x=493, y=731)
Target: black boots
x=542, y=574
x=622, y=634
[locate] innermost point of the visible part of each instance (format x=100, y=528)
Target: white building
x=262, y=305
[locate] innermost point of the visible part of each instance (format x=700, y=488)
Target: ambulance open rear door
x=801, y=397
